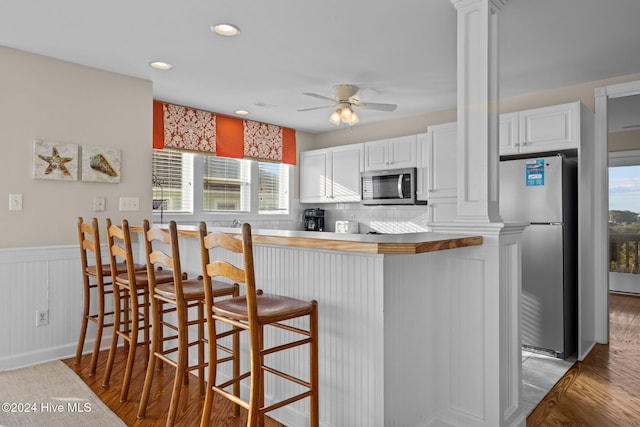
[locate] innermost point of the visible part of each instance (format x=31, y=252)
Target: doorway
x=624, y=222
x=600, y=182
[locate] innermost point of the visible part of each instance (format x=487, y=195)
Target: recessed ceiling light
x=227, y=30
x=242, y=112
x=159, y=65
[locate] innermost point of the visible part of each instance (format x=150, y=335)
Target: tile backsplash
x=381, y=219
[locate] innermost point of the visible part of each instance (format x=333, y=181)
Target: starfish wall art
x=55, y=160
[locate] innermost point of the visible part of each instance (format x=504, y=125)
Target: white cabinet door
x=508, y=136
x=442, y=145
x=394, y=153
x=375, y=153
x=331, y=175
x=422, y=152
x=313, y=176
x=540, y=129
x=346, y=165
x=549, y=128
x=444, y=210
x=440, y=182
x=402, y=152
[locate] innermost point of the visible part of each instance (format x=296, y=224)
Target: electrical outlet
x=98, y=203
x=42, y=317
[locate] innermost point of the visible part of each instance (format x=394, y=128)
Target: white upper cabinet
x=346, y=165
x=393, y=153
x=508, y=134
x=313, y=172
x=438, y=182
x=540, y=129
x=331, y=175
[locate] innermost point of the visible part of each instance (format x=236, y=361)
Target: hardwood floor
x=604, y=389
x=190, y=400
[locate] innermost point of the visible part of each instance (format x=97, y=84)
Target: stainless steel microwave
x=389, y=187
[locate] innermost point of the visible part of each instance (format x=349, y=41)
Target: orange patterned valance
x=185, y=128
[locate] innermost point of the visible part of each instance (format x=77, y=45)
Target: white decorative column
x=482, y=383
x=478, y=110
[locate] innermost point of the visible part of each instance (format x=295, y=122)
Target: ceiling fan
x=347, y=96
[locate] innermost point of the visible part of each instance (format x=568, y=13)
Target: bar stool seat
x=271, y=308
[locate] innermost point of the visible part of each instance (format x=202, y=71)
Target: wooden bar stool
x=252, y=313
x=128, y=289
x=180, y=296
x=93, y=278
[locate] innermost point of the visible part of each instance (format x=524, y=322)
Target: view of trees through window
x=624, y=219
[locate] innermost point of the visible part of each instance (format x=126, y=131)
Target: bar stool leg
x=85, y=321
x=99, y=329
x=114, y=337
x=313, y=364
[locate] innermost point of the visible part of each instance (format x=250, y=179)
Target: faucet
x=236, y=223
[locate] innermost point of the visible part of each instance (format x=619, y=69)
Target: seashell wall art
x=55, y=160
x=100, y=164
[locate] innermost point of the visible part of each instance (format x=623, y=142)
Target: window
x=199, y=184
x=273, y=193
x=172, y=181
x=226, y=184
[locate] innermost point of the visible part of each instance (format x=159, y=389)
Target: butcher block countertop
x=406, y=243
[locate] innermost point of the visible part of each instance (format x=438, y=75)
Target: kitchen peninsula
x=381, y=302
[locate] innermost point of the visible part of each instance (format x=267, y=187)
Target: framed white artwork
x=100, y=164
x=55, y=160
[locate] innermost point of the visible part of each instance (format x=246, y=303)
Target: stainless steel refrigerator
x=543, y=191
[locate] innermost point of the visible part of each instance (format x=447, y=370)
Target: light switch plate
x=15, y=202
x=129, y=203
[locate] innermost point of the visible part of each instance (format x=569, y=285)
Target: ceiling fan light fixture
x=345, y=114
x=335, y=117
x=354, y=118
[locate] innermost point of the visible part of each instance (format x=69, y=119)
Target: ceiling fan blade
x=378, y=106
x=315, y=95
x=315, y=108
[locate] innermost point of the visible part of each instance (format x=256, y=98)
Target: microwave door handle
x=400, y=195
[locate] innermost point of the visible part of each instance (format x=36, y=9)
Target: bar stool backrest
x=219, y=268
x=89, y=239
x=169, y=259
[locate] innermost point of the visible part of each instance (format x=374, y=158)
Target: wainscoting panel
x=32, y=279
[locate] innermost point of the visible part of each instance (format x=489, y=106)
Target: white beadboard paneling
x=410, y=341
x=467, y=337
x=42, y=278
x=349, y=299
x=510, y=347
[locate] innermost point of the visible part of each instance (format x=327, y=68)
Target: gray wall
x=48, y=99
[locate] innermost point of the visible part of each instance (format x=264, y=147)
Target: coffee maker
x=314, y=219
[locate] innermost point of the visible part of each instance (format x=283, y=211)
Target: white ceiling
x=404, y=51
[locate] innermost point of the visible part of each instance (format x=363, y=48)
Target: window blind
x=227, y=184
x=172, y=181
x=273, y=193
